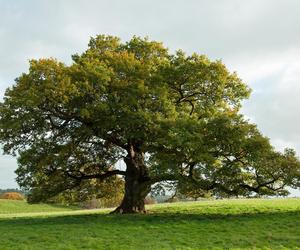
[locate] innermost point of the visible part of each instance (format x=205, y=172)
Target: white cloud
x=275, y=102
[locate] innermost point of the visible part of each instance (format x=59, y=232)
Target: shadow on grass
x=271, y=230
x=58, y=206
x=153, y=218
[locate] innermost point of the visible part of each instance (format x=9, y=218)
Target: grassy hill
x=266, y=224
x=10, y=208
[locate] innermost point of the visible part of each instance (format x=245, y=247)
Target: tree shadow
x=155, y=217
x=274, y=229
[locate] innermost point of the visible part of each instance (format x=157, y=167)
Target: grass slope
x=10, y=207
x=238, y=224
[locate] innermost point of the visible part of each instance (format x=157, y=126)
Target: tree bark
x=137, y=184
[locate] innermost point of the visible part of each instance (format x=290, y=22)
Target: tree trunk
x=137, y=184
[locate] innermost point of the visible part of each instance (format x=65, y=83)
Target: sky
x=258, y=39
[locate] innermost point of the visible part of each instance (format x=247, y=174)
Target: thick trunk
x=137, y=184
x=133, y=201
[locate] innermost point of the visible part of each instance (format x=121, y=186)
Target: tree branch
x=165, y=177
x=95, y=176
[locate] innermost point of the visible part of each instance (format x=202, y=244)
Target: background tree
x=11, y=196
x=166, y=116
x=10, y=190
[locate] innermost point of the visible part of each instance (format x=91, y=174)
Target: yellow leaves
x=104, y=42
x=12, y=196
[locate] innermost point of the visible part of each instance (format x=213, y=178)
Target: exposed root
x=120, y=210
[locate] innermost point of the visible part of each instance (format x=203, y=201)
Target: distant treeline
x=10, y=190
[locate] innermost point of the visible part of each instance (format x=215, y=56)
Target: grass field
x=229, y=224
x=9, y=207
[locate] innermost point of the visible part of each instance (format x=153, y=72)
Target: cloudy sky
x=259, y=39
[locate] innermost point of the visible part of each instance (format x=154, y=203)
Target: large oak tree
x=168, y=117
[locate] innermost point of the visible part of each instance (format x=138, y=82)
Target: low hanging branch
x=102, y=176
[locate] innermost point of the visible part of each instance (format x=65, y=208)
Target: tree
x=166, y=116
x=188, y=189
x=12, y=196
x=10, y=190
x=106, y=193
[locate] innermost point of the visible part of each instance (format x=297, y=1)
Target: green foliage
x=226, y=224
x=92, y=194
x=117, y=100
x=187, y=189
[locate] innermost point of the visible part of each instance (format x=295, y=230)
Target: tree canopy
x=167, y=116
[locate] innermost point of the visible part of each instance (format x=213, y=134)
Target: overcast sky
x=259, y=39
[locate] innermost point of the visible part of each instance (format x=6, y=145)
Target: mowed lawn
x=229, y=224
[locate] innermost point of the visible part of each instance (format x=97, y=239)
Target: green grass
x=226, y=224
x=10, y=207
